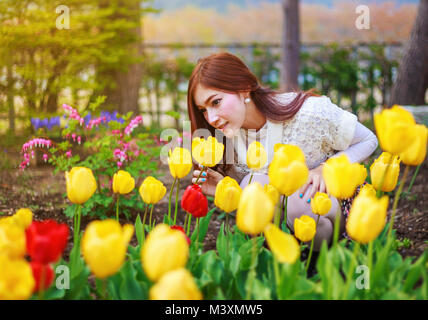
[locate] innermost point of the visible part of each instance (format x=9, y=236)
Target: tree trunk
x=10, y=99
x=291, y=45
x=123, y=91
x=411, y=83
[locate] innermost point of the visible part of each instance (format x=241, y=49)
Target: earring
x=247, y=100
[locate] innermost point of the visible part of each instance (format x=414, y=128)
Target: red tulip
x=194, y=201
x=46, y=240
x=182, y=230
x=48, y=275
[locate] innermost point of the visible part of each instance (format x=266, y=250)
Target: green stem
x=176, y=201
x=185, y=221
x=144, y=222
x=252, y=270
x=227, y=223
x=285, y=210
x=150, y=217
x=277, y=280
x=351, y=267
x=200, y=173
x=104, y=289
x=370, y=262
x=337, y=223
x=396, y=198
x=197, y=234
x=188, y=224
x=117, y=208
x=169, y=200
x=251, y=177
x=413, y=178
x=312, y=247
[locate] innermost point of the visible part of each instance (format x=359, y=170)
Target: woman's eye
x=216, y=102
x=203, y=110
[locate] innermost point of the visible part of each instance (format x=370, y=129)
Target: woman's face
x=222, y=110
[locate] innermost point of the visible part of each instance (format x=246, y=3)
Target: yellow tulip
x=16, y=279
x=180, y=162
x=378, y=168
x=123, y=182
x=342, y=177
x=415, y=153
x=176, y=285
x=104, y=246
x=304, y=228
x=272, y=193
x=227, y=194
x=284, y=246
x=367, y=217
x=288, y=171
x=207, y=152
x=165, y=249
x=256, y=156
x=255, y=209
x=368, y=190
x=23, y=217
x=152, y=190
x=321, y=203
x=81, y=184
x=393, y=128
x=12, y=239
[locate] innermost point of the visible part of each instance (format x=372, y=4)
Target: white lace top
x=320, y=128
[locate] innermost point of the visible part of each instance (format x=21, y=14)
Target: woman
x=225, y=97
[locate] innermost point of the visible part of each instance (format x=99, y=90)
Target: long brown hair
x=226, y=72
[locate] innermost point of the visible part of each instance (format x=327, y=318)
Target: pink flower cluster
x=133, y=124
x=74, y=114
x=74, y=137
x=120, y=154
x=34, y=143
x=96, y=122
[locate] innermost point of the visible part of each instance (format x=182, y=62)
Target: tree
x=291, y=45
x=412, y=80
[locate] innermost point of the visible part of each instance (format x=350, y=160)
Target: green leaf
x=174, y=114
x=130, y=288
x=203, y=227
x=139, y=230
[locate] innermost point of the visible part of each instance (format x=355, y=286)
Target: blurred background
x=140, y=54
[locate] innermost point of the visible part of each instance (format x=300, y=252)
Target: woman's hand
x=315, y=181
x=208, y=185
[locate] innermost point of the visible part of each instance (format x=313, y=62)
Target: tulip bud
x=272, y=193
x=288, y=170
x=255, y=209
x=104, y=246
x=194, y=201
x=176, y=285
x=393, y=128
x=123, y=182
x=284, y=246
x=81, y=184
x=227, y=194
x=207, y=152
x=152, y=190
x=165, y=249
x=23, y=217
x=256, y=156
x=46, y=240
x=12, y=239
x=367, y=218
x=415, y=153
x=304, y=228
x=368, y=190
x=321, y=203
x=342, y=177
x=16, y=279
x=379, y=168
x=180, y=162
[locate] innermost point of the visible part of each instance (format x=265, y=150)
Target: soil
x=40, y=190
